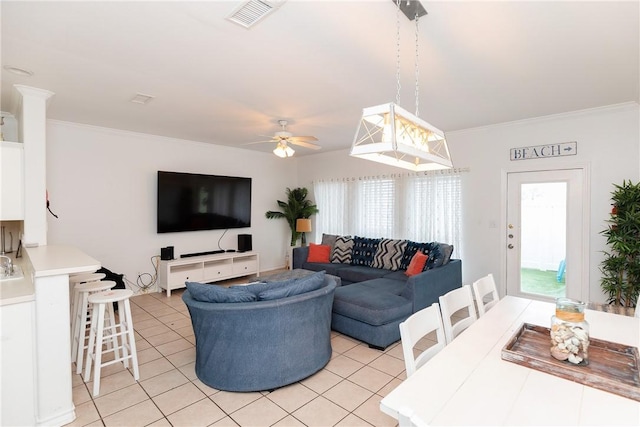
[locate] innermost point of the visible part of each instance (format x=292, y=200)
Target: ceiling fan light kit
x=283, y=150
x=393, y=136
x=283, y=138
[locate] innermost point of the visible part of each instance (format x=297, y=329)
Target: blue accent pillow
x=410, y=250
x=216, y=293
x=256, y=288
x=364, y=251
x=436, y=256
x=296, y=287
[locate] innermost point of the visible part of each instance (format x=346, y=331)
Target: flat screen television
x=192, y=202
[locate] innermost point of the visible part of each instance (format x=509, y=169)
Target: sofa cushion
x=389, y=254
x=395, y=287
x=329, y=239
x=410, y=251
x=364, y=249
x=447, y=251
x=256, y=288
x=416, y=266
x=295, y=287
x=396, y=275
x=360, y=273
x=330, y=268
x=319, y=253
x=342, y=250
x=372, y=307
x=216, y=293
x=436, y=256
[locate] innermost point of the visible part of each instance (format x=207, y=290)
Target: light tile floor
x=347, y=392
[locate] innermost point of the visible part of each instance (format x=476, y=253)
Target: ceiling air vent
x=141, y=98
x=251, y=12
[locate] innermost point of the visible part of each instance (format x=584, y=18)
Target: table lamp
x=303, y=225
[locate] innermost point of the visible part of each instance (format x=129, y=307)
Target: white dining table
x=468, y=383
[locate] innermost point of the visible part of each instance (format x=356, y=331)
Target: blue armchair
x=262, y=345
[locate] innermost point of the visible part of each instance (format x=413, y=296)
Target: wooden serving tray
x=612, y=367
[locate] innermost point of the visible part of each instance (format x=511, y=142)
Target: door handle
x=510, y=246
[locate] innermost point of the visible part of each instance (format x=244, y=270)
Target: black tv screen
x=191, y=202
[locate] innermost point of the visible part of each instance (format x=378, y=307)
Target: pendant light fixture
x=390, y=134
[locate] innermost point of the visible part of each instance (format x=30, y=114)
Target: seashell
x=558, y=339
x=574, y=359
x=580, y=334
x=562, y=346
x=559, y=354
x=575, y=341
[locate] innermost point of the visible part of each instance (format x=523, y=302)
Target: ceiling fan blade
x=304, y=138
x=258, y=142
x=305, y=144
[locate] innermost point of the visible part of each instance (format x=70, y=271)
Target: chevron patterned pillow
x=389, y=254
x=342, y=250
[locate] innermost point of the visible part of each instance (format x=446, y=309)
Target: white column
x=33, y=129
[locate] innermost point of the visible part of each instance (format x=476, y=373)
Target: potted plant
x=621, y=266
x=296, y=206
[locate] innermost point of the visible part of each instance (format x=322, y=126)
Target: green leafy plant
x=296, y=206
x=621, y=266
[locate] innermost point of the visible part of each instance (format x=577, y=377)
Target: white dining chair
x=414, y=329
x=408, y=418
x=452, y=302
x=482, y=288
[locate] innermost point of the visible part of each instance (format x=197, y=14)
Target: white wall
x=608, y=141
x=102, y=185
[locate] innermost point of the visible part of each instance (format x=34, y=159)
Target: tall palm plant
x=296, y=206
x=621, y=266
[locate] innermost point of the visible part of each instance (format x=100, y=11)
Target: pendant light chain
x=398, y=53
x=417, y=72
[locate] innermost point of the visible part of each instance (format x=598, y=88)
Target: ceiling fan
x=283, y=138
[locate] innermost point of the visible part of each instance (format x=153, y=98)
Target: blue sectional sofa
x=262, y=336
x=372, y=302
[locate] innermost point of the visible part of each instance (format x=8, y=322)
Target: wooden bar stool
x=98, y=334
x=80, y=324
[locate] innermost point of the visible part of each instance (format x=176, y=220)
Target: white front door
x=546, y=234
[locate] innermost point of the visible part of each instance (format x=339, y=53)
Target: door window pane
x=543, y=238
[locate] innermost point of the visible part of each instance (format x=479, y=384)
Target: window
x=422, y=207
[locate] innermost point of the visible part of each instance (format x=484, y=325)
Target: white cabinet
x=173, y=274
x=11, y=181
x=17, y=394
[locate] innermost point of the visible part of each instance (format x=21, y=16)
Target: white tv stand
x=174, y=273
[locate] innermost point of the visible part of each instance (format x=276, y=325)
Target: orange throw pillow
x=319, y=253
x=417, y=264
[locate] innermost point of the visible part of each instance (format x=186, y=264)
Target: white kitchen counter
x=52, y=260
x=16, y=291
x=39, y=304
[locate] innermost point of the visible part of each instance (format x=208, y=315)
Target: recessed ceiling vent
x=142, y=98
x=250, y=13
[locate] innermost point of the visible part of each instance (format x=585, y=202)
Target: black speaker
x=244, y=242
x=166, y=254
